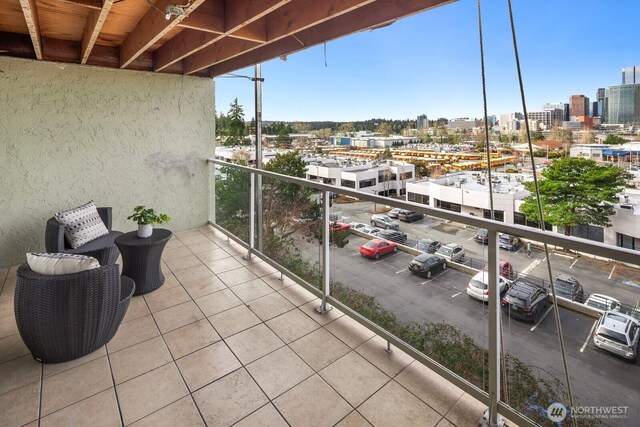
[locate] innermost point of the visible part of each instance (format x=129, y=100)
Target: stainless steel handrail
x=492, y=398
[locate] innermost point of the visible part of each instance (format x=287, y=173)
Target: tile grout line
x=40, y=392
x=115, y=390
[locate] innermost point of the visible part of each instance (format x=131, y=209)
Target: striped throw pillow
x=82, y=224
x=56, y=264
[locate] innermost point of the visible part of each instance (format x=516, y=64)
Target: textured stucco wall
x=69, y=134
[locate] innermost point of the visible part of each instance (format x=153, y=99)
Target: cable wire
x=540, y=217
x=491, y=209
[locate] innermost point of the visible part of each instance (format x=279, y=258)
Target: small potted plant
x=146, y=219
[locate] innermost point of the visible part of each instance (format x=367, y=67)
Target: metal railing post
x=494, y=330
x=252, y=216
x=258, y=99
x=326, y=207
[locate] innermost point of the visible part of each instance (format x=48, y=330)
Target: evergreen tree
x=576, y=191
x=235, y=130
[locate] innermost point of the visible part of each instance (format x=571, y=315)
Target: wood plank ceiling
x=204, y=38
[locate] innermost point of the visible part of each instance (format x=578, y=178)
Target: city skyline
x=430, y=64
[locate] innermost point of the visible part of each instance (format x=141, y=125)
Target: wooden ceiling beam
x=150, y=29
x=255, y=31
x=92, y=29
x=220, y=51
x=293, y=17
x=237, y=15
x=31, y=16
x=368, y=17
x=91, y=4
x=209, y=17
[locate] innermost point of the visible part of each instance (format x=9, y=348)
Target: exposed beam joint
x=92, y=29
x=150, y=29
x=368, y=17
x=293, y=17
x=238, y=15
x=209, y=17
x=31, y=16
x=218, y=52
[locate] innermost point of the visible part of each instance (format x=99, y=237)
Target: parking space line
x=573, y=263
x=532, y=266
x=612, y=270
x=357, y=253
x=595, y=322
x=563, y=255
x=400, y=271
x=471, y=238
x=533, y=328
x=434, y=277
x=455, y=295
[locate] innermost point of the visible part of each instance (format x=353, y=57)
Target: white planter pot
x=145, y=230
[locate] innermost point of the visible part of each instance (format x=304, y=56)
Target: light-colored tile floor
x=225, y=341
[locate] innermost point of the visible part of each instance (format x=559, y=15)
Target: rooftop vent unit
x=456, y=184
x=626, y=207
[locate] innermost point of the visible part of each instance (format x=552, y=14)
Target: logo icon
x=556, y=412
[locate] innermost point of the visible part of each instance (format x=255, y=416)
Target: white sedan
x=478, y=286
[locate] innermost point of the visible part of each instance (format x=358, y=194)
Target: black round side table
x=141, y=258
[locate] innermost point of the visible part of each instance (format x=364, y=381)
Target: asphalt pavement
x=598, y=378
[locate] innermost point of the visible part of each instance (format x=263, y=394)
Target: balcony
x=225, y=341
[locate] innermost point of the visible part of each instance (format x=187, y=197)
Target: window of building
x=406, y=175
x=348, y=184
x=448, y=206
x=591, y=232
x=418, y=198
x=313, y=178
x=327, y=181
x=498, y=215
x=367, y=183
x=519, y=218
x=625, y=241
x=382, y=177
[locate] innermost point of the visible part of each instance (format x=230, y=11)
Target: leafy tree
x=386, y=154
x=235, y=130
x=587, y=137
x=384, y=129
x=283, y=140
x=562, y=135
x=614, y=139
x=347, y=128
x=537, y=136
x=576, y=191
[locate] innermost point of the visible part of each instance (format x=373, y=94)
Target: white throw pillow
x=56, y=264
x=82, y=224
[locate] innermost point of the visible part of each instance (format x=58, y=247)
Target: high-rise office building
x=622, y=104
x=423, y=122
x=556, y=113
x=578, y=106
x=631, y=75
x=600, y=95
x=594, y=109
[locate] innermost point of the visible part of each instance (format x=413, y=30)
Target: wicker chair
x=61, y=318
x=103, y=248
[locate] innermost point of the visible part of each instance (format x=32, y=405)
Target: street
x=598, y=378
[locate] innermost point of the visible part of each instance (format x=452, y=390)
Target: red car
x=377, y=247
x=337, y=226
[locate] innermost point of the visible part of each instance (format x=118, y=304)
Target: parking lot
x=598, y=378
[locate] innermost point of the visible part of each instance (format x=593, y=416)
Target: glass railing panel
x=232, y=200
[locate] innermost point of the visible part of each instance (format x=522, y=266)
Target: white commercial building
x=383, y=141
x=381, y=177
x=468, y=193
x=590, y=151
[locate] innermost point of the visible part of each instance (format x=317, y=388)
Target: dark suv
x=409, y=216
x=568, y=287
x=525, y=301
x=481, y=236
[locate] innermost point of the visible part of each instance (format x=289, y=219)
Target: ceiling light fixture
x=172, y=9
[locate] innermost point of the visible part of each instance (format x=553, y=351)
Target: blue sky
x=430, y=63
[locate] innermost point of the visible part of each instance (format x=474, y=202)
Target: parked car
x=409, y=216
x=478, y=286
x=568, y=287
x=427, y=265
x=383, y=221
x=618, y=333
x=508, y=242
x=481, y=236
x=427, y=245
x=393, y=213
x=393, y=235
x=602, y=303
x=338, y=226
x=525, y=301
x=359, y=226
x=377, y=247
x=373, y=231
x=451, y=252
